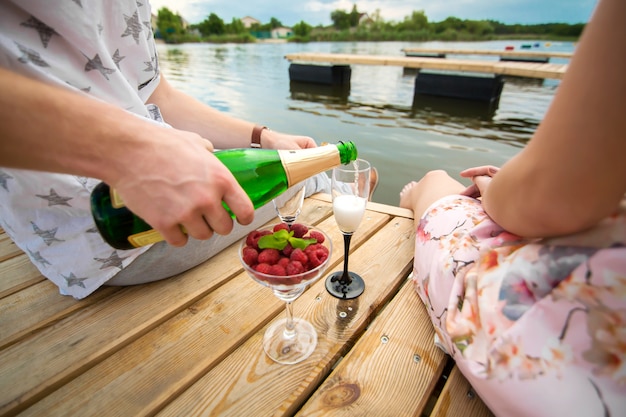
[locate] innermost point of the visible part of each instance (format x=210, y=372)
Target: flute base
x=289, y=347
x=337, y=289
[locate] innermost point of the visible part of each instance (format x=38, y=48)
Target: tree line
x=357, y=26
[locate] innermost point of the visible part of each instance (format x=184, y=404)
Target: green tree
x=302, y=29
x=235, y=26
x=275, y=23
x=354, y=17
x=169, y=24
x=341, y=19
x=213, y=25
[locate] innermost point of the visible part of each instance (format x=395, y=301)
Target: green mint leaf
x=277, y=240
x=301, y=243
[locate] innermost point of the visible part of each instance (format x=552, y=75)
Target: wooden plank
x=17, y=273
x=518, y=69
x=8, y=249
x=38, y=306
x=459, y=399
x=392, y=369
x=491, y=52
x=276, y=390
x=175, y=354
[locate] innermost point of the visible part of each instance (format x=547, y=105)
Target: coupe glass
x=350, y=191
x=288, y=205
x=291, y=339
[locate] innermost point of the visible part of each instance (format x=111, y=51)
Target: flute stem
x=345, y=278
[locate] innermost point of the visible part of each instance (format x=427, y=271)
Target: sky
x=316, y=12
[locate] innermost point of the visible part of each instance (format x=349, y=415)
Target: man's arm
x=168, y=177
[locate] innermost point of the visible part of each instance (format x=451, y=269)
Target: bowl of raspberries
x=284, y=257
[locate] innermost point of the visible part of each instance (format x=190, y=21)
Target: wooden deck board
x=392, y=365
x=518, y=69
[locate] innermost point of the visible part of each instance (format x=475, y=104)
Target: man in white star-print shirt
x=82, y=101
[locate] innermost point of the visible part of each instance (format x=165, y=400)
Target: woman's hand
x=481, y=177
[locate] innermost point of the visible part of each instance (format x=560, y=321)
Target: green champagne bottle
x=263, y=174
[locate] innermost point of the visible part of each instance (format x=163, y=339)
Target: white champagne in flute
x=349, y=211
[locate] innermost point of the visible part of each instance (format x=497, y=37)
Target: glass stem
x=345, y=278
x=290, y=327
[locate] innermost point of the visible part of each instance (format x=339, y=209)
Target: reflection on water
x=402, y=135
x=320, y=93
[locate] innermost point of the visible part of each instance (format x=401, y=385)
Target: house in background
x=249, y=21
x=282, y=33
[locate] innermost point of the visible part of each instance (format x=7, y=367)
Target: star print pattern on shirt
x=45, y=31
x=113, y=260
x=4, y=177
x=133, y=27
x=36, y=256
x=54, y=199
x=117, y=58
x=29, y=55
x=48, y=236
x=74, y=280
x=104, y=49
x=96, y=64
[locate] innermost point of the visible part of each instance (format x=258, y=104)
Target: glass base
x=346, y=292
x=292, y=347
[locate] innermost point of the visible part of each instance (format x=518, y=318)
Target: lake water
x=401, y=138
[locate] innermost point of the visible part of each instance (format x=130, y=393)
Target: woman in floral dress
x=524, y=272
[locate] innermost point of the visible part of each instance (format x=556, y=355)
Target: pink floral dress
x=538, y=327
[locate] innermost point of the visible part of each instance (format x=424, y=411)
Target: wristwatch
x=256, y=136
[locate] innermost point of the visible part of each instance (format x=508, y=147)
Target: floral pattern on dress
x=517, y=311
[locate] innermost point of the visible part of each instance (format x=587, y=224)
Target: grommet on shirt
x=256, y=136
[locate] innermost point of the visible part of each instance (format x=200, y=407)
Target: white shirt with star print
x=104, y=49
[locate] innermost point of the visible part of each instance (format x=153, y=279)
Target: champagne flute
x=350, y=191
x=288, y=205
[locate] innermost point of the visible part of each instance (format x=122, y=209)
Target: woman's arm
x=573, y=171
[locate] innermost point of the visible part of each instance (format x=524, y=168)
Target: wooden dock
x=191, y=345
x=491, y=52
x=510, y=68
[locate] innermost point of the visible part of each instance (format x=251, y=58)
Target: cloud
x=316, y=12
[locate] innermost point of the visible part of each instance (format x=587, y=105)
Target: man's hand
x=175, y=183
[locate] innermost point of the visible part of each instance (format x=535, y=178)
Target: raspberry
x=299, y=229
x=269, y=256
x=250, y=255
x=253, y=239
x=317, y=236
x=294, y=268
x=287, y=250
x=300, y=256
x=317, y=254
x=278, y=270
x=283, y=262
x=281, y=226
x=263, y=268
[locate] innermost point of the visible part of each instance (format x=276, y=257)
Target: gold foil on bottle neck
x=304, y=163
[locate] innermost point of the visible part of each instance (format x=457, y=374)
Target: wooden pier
x=491, y=52
x=516, y=69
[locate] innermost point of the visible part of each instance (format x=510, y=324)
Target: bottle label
x=304, y=163
x=116, y=199
x=145, y=238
